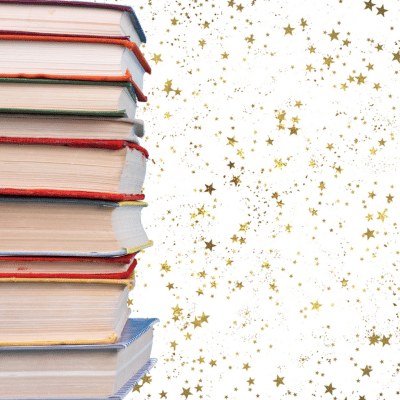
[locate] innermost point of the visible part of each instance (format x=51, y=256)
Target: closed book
x=78, y=58
x=70, y=18
x=41, y=311
x=36, y=226
x=72, y=168
x=68, y=267
x=70, y=127
x=73, y=372
x=67, y=97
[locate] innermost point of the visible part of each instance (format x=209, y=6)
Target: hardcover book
x=70, y=18
x=73, y=372
x=70, y=227
x=65, y=167
x=67, y=97
x=62, y=310
x=70, y=127
x=78, y=58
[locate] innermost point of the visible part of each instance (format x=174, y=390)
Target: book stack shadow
x=71, y=177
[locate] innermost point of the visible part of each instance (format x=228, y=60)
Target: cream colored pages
x=35, y=374
x=60, y=20
x=61, y=168
x=56, y=227
x=60, y=58
x=41, y=126
x=57, y=311
x=59, y=97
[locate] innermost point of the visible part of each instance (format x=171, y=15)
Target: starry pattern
x=273, y=195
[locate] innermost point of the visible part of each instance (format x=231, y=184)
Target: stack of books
x=71, y=177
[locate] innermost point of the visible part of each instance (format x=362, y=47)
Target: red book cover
x=80, y=143
x=128, y=259
x=81, y=39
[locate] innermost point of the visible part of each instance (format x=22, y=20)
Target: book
x=63, y=310
x=105, y=371
x=68, y=267
x=73, y=58
x=90, y=166
x=70, y=127
x=67, y=97
x=70, y=18
x=70, y=227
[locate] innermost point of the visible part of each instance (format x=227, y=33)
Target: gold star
x=389, y=198
x=210, y=189
x=188, y=336
x=204, y=318
x=369, y=5
x=346, y=42
x=239, y=8
x=146, y=379
x=366, y=370
x=373, y=151
x=163, y=395
x=236, y=180
x=174, y=21
x=279, y=381
x=209, y=245
x=333, y=35
x=198, y=388
x=250, y=381
x=265, y=264
x=206, y=24
x=167, y=115
x=382, y=215
x=177, y=310
x=344, y=282
x=288, y=30
x=202, y=43
x=293, y=130
x=329, y=389
x=377, y=86
x=396, y=56
x=156, y=58
x=174, y=344
x=137, y=388
x=243, y=227
x=279, y=164
x=381, y=11
x=316, y=306
x=232, y=141
x=360, y=79
x=232, y=2
x=373, y=339
x=328, y=61
x=303, y=23
x=225, y=55
x=246, y=367
x=130, y=302
x=165, y=267
x=288, y=228
x=369, y=234
x=196, y=322
x=186, y=393
x=370, y=66
x=269, y=141
x=382, y=142
x=344, y=86
x=298, y=104
x=385, y=340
